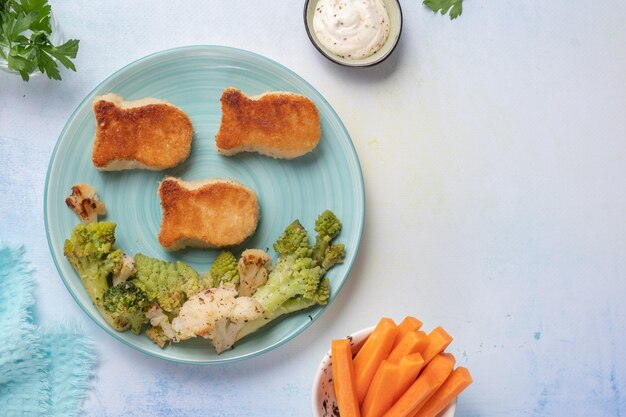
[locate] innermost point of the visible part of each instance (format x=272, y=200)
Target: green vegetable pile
x=25, y=33
x=231, y=300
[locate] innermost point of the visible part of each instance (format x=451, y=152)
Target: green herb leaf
x=64, y=52
x=26, y=6
x=454, y=6
x=47, y=65
x=17, y=62
x=25, y=30
x=21, y=24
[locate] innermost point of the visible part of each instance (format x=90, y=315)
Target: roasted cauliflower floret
x=128, y=269
x=161, y=331
x=216, y=314
x=85, y=203
x=253, y=267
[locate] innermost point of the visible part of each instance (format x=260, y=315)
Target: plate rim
x=315, y=315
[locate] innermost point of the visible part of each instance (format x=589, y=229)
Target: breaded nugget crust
x=152, y=136
x=277, y=124
x=209, y=213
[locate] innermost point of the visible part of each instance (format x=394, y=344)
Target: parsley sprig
x=454, y=6
x=25, y=32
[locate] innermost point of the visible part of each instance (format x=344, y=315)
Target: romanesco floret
x=294, y=241
x=320, y=297
x=334, y=255
x=167, y=283
x=224, y=269
x=90, y=250
x=128, y=303
x=297, y=282
x=327, y=227
x=296, y=274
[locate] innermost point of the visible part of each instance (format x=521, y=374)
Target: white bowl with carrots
x=389, y=371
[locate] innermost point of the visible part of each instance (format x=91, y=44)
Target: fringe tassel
x=72, y=359
x=44, y=372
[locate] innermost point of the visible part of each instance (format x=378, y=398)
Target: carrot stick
x=438, y=340
x=375, y=349
x=458, y=380
x=343, y=378
x=411, y=342
x=410, y=367
x=409, y=324
x=379, y=397
x=426, y=384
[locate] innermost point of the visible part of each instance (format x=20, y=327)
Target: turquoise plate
x=193, y=79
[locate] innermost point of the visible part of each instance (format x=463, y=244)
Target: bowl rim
x=357, y=64
x=356, y=338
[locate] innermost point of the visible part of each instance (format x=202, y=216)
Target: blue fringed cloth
x=44, y=371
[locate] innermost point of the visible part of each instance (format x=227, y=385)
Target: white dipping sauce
x=351, y=28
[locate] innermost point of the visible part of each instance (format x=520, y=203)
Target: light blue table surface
x=494, y=154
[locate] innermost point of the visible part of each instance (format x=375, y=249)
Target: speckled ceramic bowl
x=323, y=395
x=395, y=29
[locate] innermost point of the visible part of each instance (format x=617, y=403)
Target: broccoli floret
x=128, y=303
x=169, y=284
x=224, y=269
x=90, y=250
